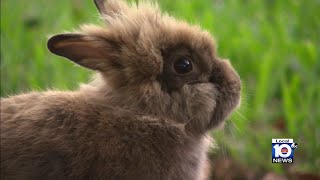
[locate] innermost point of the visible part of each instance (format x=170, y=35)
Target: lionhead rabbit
x=162, y=88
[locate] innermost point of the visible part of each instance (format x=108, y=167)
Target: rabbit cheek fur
x=139, y=120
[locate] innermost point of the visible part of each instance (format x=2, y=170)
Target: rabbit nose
x=224, y=75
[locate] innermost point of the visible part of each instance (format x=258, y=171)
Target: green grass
x=274, y=45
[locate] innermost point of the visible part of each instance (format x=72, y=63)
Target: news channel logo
x=283, y=150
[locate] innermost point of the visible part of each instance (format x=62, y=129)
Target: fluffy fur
x=141, y=120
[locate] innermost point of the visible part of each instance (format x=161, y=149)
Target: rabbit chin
x=206, y=107
x=195, y=105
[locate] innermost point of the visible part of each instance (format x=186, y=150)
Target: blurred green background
x=273, y=44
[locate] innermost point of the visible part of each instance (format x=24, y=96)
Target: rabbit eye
x=183, y=66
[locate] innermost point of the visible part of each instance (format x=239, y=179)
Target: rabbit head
x=155, y=64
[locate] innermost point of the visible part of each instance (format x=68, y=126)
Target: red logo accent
x=284, y=150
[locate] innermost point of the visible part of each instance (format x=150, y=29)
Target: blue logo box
x=283, y=150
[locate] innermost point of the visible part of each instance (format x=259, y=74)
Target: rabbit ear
x=109, y=7
x=100, y=6
x=87, y=51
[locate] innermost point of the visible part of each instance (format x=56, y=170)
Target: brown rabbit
x=162, y=88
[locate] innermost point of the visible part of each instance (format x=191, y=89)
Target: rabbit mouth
x=225, y=105
x=228, y=84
